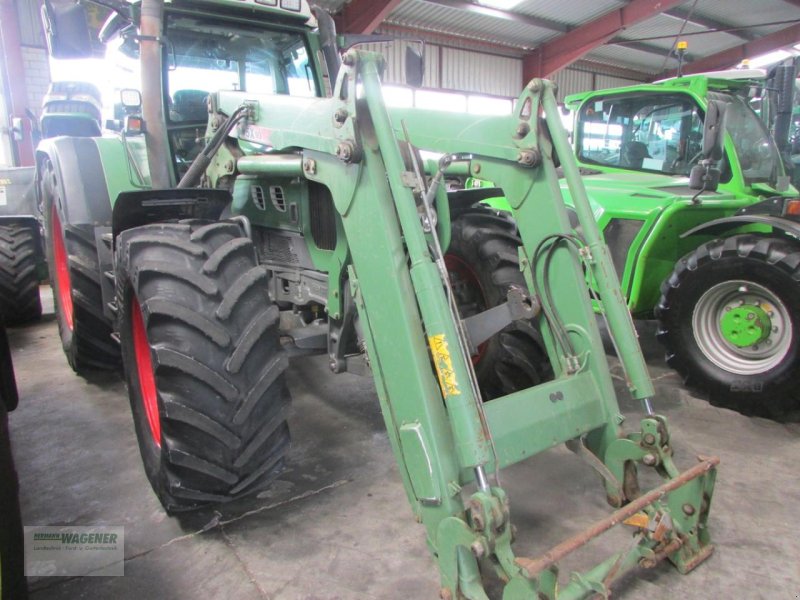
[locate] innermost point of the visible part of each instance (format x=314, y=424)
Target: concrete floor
x=337, y=525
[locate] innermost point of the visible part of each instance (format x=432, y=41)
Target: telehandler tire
x=483, y=264
x=19, y=281
x=728, y=318
x=203, y=362
x=75, y=281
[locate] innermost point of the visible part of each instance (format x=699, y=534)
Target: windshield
x=757, y=154
x=205, y=57
x=660, y=133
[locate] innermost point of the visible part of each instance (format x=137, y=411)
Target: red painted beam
x=566, y=49
x=733, y=56
x=14, y=84
x=364, y=16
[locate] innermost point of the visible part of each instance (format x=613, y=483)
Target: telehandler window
x=660, y=133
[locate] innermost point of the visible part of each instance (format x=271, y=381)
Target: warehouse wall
x=483, y=72
x=34, y=54
x=454, y=69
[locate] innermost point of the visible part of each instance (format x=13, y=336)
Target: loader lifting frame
x=442, y=434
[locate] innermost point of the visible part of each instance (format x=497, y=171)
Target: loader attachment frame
x=446, y=439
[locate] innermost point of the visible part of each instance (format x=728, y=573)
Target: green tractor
x=242, y=215
x=703, y=236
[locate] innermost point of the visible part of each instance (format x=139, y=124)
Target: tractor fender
x=780, y=224
x=82, y=179
x=144, y=207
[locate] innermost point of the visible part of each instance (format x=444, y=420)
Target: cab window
x=654, y=133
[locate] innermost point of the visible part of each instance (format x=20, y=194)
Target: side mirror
x=66, y=30
x=415, y=67
x=714, y=130
x=705, y=175
x=704, y=178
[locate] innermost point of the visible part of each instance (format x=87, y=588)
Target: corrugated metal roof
x=665, y=25
x=566, y=11
x=748, y=12
x=660, y=25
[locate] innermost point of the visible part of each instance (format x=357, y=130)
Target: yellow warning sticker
x=444, y=365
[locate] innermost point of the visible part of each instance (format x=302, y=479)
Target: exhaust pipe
x=151, y=59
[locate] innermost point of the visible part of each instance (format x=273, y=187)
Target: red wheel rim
x=144, y=371
x=463, y=271
x=63, y=285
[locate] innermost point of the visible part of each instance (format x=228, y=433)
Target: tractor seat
x=633, y=154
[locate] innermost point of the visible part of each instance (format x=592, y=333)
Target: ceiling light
x=499, y=4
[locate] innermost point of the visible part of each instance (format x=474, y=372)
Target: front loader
x=317, y=222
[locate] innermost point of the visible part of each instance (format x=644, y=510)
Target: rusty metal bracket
x=533, y=566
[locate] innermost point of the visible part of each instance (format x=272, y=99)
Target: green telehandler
x=240, y=206
x=715, y=257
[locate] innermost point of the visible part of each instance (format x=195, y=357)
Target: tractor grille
x=257, y=195
x=322, y=215
x=277, y=197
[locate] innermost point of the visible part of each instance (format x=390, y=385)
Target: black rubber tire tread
x=515, y=358
x=19, y=281
x=769, y=261
x=88, y=346
x=222, y=394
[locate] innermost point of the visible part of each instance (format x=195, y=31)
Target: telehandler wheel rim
x=468, y=277
x=711, y=315
x=144, y=371
x=62, y=270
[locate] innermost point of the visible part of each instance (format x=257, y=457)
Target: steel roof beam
x=733, y=56
x=505, y=15
x=566, y=49
x=364, y=16
x=648, y=48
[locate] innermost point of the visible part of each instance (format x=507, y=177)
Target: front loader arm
x=444, y=437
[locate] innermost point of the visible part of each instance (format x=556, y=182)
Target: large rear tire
x=75, y=281
x=729, y=320
x=483, y=264
x=19, y=281
x=203, y=362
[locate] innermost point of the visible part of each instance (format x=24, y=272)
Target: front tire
x=729, y=320
x=75, y=280
x=19, y=280
x=483, y=264
x=203, y=362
